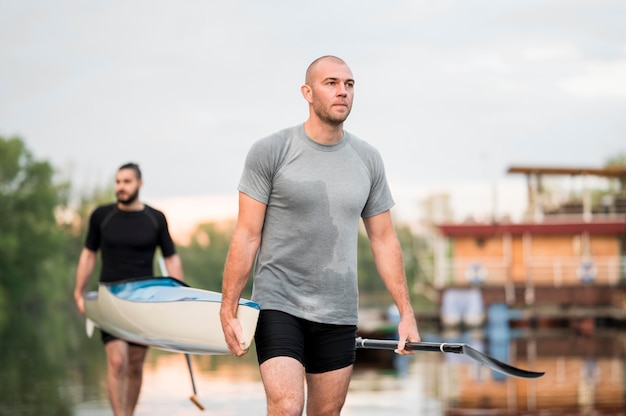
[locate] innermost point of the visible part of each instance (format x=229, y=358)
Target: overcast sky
x=451, y=92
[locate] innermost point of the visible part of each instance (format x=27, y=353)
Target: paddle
x=193, y=398
x=455, y=348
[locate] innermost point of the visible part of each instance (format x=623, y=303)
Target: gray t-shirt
x=315, y=196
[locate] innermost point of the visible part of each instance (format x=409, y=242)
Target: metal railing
x=554, y=271
x=572, y=270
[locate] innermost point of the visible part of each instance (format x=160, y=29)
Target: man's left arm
x=388, y=258
x=174, y=266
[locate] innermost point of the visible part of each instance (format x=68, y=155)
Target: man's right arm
x=86, y=265
x=239, y=261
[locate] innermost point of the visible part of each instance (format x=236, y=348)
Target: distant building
x=569, y=254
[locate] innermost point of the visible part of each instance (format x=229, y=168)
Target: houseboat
x=564, y=262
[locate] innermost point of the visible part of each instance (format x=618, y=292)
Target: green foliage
x=616, y=161
x=371, y=286
x=74, y=228
x=41, y=238
x=40, y=357
x=203, y=259
x=369, y=281
x=29, y=236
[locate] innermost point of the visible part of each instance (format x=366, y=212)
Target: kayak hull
x=166, y=314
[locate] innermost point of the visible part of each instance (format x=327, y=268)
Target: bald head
x=310, y=72
x=329, y=90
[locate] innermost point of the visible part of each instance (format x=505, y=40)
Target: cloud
x=450, y=92
x=555, y=51
x=599, y=80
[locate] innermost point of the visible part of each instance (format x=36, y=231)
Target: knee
x=118, y=364
x=326, y=408
x=286, y=408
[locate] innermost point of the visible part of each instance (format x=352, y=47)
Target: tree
x=73, y=221
x=203, y=259
x=29, y=236
x=371, y=285
x=618, y=162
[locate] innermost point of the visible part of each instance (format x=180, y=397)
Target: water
x=49, y=367
x=233, y=387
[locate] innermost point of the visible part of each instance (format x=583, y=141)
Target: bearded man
x=127, y=233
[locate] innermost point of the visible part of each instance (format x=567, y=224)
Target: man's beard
x=326, y=117
x=131, y=198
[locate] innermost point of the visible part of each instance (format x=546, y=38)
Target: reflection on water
x=230, y=386
x=228, y=390
x=53, y=369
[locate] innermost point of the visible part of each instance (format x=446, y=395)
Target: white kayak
x=165, y=313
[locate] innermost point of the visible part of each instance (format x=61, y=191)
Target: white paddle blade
x=89, y=327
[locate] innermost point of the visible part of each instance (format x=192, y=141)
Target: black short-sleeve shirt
x=127, y=240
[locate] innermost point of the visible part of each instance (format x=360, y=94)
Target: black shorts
x=106, y=337
x=319, y=347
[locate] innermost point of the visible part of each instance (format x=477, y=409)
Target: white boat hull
x=173, y=318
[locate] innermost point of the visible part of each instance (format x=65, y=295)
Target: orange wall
x=556, y=257
x=551, y=246
x=604, y=246
x=465, y=247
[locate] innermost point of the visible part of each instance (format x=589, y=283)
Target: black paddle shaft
x=193, y=383
x=384, y=344
x=455, y=348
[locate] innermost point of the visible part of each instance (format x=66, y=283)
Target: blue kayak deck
x=165, y=289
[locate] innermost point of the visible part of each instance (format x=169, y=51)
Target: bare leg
x=327, y=392
x=283, y=379
x=117, y=367
x=124, y=375
x=136, y=357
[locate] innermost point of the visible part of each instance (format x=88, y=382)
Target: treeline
x=34, y=249
x=42, y=233
x=203, y=259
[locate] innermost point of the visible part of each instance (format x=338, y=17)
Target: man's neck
x=135, y=206
x=323, y=133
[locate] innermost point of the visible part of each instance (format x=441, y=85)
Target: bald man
x=302, y=195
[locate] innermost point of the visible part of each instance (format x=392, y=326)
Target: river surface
x=46, y=371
